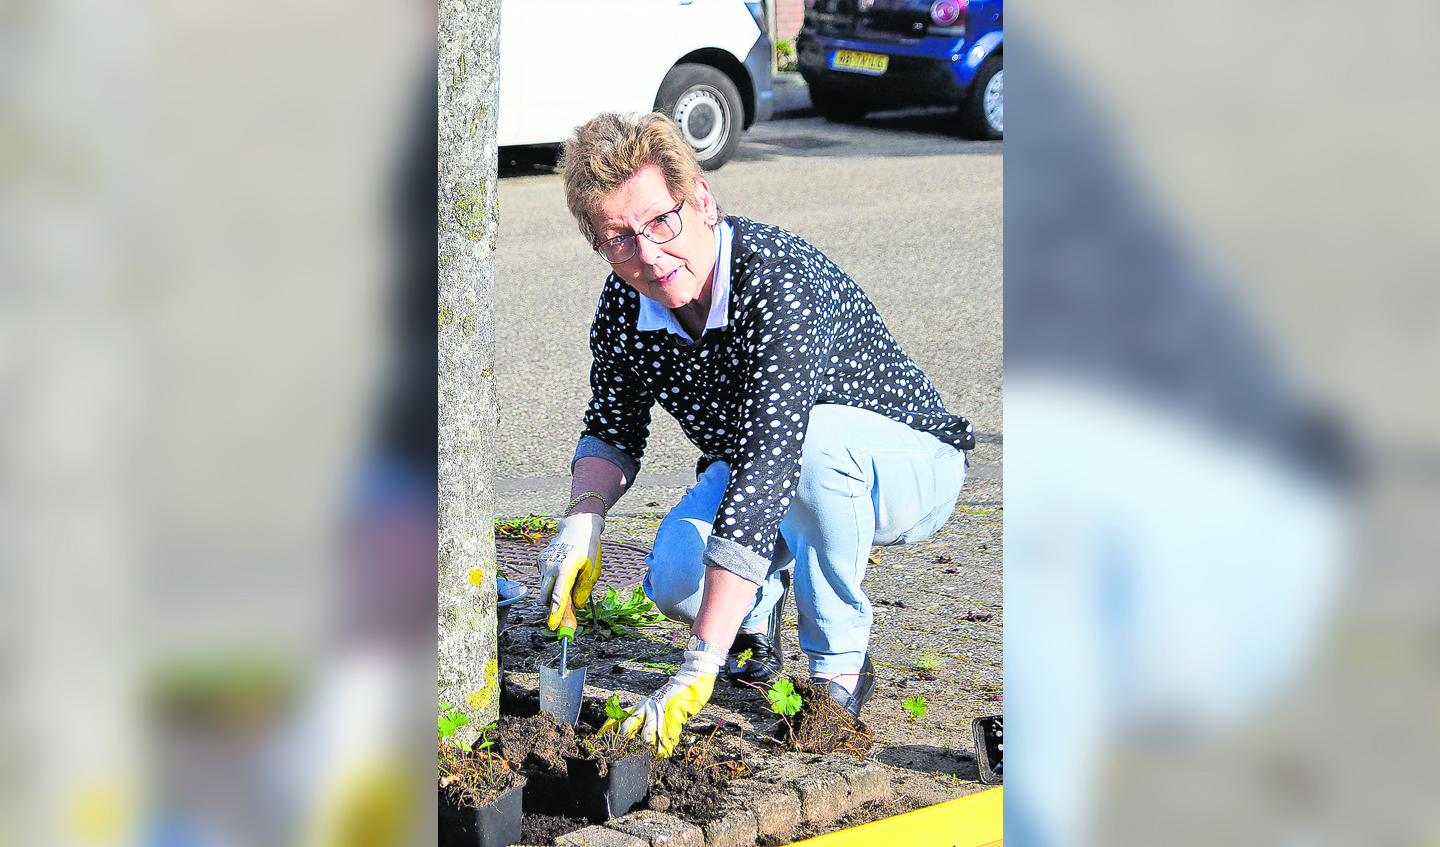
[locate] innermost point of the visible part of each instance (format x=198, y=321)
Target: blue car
x=862, y=56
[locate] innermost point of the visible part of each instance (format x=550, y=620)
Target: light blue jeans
x=865, y=480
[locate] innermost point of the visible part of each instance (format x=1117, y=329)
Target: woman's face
x=678, y=272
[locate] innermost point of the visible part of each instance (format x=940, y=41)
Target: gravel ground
x=920, y=592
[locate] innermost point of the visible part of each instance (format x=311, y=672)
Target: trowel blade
x=561, y=695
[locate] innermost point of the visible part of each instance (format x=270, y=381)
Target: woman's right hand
x=570, y=566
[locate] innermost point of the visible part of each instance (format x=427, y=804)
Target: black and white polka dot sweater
x=800, y=332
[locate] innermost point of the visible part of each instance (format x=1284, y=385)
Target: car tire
x=706, y=105
x=983, y=114
x=836, y=108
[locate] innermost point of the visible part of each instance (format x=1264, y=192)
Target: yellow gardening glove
x=570, y=566
x=660, y=717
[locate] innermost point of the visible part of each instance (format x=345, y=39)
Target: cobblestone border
x=772, y=803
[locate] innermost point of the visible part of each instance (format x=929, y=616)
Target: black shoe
x=864, y=687
x=766, y=662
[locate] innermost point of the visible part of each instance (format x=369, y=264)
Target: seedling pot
x=624, y=786
x=989, y=733
x=496, y=824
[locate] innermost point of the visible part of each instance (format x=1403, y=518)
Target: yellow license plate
x=864, y=63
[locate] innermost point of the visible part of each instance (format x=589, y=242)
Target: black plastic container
x=989, y=733
x=496, y=824
x=624, y=786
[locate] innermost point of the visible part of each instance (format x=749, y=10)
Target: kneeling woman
x=819, y=436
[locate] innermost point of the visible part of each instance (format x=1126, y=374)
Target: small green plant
x=450, y=721
x=784, y=699
x=469, y=775
x=620, y=617
x=785, y=55
x=744, y=656
x=916, y=706
x=611, y=742
x=530, y=528
x=928, y=665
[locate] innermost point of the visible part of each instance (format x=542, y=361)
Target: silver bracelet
x=715, y=650
x=576, y=501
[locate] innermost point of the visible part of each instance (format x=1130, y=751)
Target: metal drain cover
x=622, y=563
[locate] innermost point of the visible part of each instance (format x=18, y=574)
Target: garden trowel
x=561, y=691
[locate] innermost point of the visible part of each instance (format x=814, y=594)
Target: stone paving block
x=738, y=828
x=598, y=836
x=659, y=829
x=777, y=808
x=868, y=780
x=824, y=795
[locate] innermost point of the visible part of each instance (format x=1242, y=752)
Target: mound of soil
x=537, y=745
x=691, y=784
x=694, y=794
x=823, y=725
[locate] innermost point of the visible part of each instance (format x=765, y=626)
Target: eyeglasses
x=621, y=248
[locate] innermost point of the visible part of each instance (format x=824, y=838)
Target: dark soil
x=536, y=745
x=544, y=829
x=694, y=794
x=823, y=725
x=691, y=784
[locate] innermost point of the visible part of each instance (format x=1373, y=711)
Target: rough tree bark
x=468, y=51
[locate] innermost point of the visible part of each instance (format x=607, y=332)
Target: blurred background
x=1222, y=314
x=1220, y=337
x=214, y=497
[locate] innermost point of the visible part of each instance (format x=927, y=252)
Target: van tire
x=706, y=105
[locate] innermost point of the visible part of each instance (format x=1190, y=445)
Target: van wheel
x=706, y=105
x=983, y=114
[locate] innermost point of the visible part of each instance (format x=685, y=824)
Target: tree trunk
x=468, y=51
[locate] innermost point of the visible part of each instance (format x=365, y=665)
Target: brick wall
x=788, y=16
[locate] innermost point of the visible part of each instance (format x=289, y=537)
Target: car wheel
x=706, y=105
x=983, y=115
x=836, y=108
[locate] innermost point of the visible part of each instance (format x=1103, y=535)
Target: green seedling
x=663, y=666
x=784, y=700
x=529, y=528
x=916, y=706
x=450, y=721
x=468, y=773
x=610, y=740
x=620, y=617
x=928, y=665
x=744, y=656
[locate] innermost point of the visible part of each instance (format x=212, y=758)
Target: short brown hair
x=611, y=148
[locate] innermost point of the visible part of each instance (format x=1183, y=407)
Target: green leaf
x=782, y=697
x=449, y=723
x=916, y=706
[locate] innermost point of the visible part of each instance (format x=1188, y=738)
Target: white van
x=704, y=62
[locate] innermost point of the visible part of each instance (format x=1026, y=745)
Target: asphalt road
x=911, y=210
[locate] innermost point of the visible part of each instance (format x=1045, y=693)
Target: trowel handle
x=567, y=621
